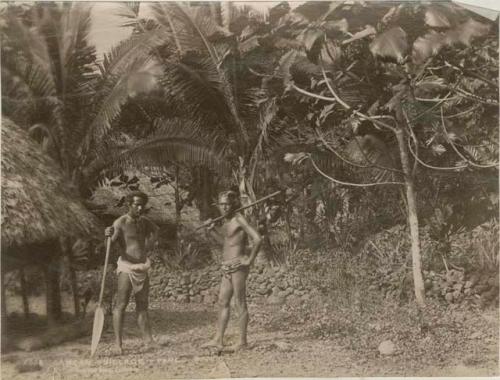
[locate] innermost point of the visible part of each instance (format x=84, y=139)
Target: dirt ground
x=274, y=352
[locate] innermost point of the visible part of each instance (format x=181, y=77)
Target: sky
x=106, y=31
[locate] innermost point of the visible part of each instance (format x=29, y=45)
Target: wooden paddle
x=99, y=311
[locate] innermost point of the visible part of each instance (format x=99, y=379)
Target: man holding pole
x=136, y=235
x=235, y=267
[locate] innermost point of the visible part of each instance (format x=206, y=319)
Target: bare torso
x=133, y=232
x=235, y=240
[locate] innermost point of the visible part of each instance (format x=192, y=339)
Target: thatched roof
x=38, y=203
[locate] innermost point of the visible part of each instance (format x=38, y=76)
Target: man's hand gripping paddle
x=99, y=311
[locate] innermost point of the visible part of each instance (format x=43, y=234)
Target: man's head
x=228, y=201
x=136, y=202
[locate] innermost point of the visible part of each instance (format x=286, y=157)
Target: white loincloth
x=136, y=272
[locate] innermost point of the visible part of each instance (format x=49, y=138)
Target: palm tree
x=55, y=88
x=202, y=76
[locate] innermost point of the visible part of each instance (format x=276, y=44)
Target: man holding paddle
x=235, y=266
x=136, y=235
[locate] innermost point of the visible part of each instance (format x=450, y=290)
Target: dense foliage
x=363, y=100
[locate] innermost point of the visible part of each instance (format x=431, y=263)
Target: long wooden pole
x=240, y=209
x=24, y=293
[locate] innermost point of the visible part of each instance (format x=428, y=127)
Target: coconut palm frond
x=267, y=113
x=192, y=29
x=195, y=90
x=119, y=67
x=76, y=56
x=136, y=48
x=128, y=9
x=28, y=41
x=165, y=150
x=28, y=82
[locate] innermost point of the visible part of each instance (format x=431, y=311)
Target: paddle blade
x=97, y=329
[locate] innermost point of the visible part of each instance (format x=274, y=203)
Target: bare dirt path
x=274, y=352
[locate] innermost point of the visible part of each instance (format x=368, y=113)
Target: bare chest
x=232, y=230
x=134, y=229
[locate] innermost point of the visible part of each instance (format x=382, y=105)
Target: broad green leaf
x=285, y=63
x=368, y=31
x=331, y=53
x=285, y=43
x=310, y=36
x=336, y=25
x=331, y=8
x=427, y=46
x=430, y=44
x=437, y=17
x=438, y=149
x=393, y=12
x=392, y=43
x=465, y=32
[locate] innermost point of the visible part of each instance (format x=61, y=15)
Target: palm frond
x=197, y=86
x=191, y=26
x=28, y=41
x=192, y=29
x=122, y=64
x=177, y=142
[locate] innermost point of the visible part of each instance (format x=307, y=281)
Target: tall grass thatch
x=38, y=203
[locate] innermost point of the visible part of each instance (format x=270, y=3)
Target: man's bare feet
x=239, y=347
x=213, y=344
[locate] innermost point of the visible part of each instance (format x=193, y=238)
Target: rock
x=210, y=299
x=283, y=346
x=263, y=291
x=458, y=287
x=475, y=335
x=449, y=297
x=275, y=290
x=183, y=298
x=197, y=299
x=276, y=300
x=386, y=348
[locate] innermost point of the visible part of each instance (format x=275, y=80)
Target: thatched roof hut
x=38, y=203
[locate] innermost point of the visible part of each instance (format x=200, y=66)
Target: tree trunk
x=412, y=218
x=3, y=316
x=178, y=206
x=73, y=283
x=24, y=295
x=53, y=291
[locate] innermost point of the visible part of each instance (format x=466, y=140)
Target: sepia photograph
x=210, y=189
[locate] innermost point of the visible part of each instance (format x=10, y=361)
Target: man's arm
x=254, y=235
x=114, y=231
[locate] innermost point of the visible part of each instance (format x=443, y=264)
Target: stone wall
x=273, y=284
